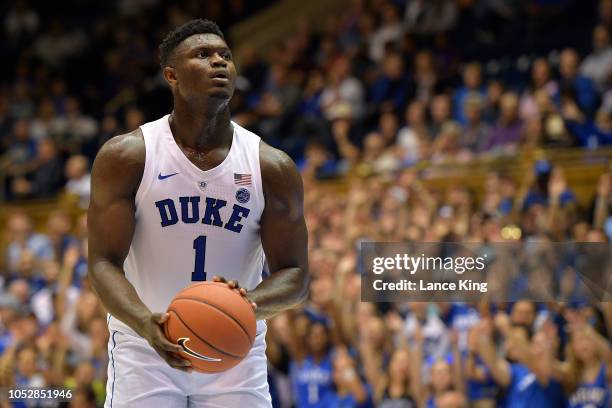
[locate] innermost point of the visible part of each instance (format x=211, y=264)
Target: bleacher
x=582, y=169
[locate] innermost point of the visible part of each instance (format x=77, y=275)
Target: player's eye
x=226, y=55
x=202, y=54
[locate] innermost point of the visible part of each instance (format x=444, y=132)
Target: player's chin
x=221, y=93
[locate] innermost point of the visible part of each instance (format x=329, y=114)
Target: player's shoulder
x=120, y=163
x=275, y=163
x=281, y=180
x=128, y=146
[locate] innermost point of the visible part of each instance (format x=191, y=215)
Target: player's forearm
x=284, y=289
x=118, y=295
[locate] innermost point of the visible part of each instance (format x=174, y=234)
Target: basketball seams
x=222, y=310
x=203, y=340
x=213, y=284
x=166, y=332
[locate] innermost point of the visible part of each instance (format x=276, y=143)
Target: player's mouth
x=220, y=77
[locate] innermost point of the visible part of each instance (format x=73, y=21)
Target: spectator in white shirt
x=342, y=87
x=79, y=179
x=597, y=65
x=436, y=343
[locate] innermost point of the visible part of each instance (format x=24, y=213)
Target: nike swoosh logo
x=183, y=343
x=160, y=177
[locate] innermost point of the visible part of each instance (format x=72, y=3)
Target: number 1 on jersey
x=199, y=244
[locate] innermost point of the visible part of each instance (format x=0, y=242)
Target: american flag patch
x=242, y=179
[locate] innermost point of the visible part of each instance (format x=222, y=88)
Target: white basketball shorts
x=139, y=377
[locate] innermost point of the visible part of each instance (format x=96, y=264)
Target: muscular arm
x=283, y=235
x=116, y=174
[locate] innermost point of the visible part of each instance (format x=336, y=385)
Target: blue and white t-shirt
x=312, y=381
x=525, y=391
x=592, y=395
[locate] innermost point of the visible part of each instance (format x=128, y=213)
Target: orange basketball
x=214, y=324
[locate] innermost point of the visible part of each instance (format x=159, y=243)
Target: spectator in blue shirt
x=526, y=372
x=550, y=187
x=588, y=133
x=581, y=88
x=350, y=390
x=311, y=366
x=585, y=371
x=593, y=390
x=390, y=90
x=472, y=85
x=22, y=238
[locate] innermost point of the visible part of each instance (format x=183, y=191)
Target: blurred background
x=410, y=120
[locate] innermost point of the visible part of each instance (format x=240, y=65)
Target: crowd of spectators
x=337, y=351
x=340, y=352
x=391, y=83
x=377, y=89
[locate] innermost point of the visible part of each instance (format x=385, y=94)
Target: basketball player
x=180, y=199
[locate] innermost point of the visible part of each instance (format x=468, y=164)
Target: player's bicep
x=284, y=242
x=283, y=228
x=111, y=214
x=111, y=227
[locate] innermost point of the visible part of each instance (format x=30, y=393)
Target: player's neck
x=203, y=129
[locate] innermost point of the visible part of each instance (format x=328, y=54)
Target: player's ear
x=170, y=76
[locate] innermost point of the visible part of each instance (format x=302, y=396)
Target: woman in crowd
x=585, y=371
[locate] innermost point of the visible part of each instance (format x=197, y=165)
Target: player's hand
x=232, y=284
x=152, y=332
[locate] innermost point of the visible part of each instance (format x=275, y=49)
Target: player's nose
x=218, y=61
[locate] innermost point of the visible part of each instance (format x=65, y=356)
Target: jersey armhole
x=145, y=181
x=259, y=179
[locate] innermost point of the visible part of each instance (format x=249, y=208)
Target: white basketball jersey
x=192, y=224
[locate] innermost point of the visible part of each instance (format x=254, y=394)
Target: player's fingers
x=161, y=341
x=243, y=291
x=179, y=362
x=254, y=305
x=184, y=369
x=168, y=346
x=160, y=318
x=233, y=284
x=219, y=279
x=172, y=358
x=175, y=362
